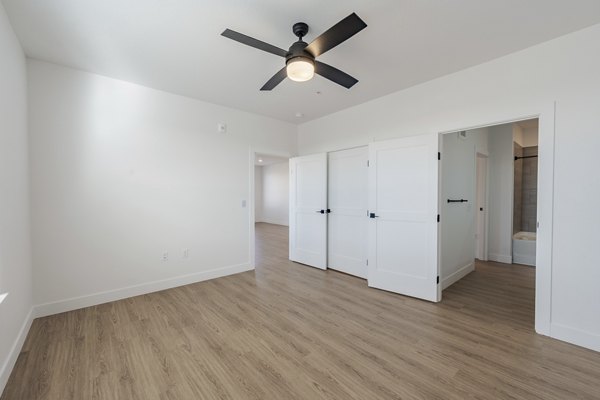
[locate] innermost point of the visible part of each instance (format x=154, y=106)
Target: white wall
x=458, y=219
x=501, y=188
x=518, y=134
x=122, y=173
x=520, y=85
x=525, y=137
x=275, y=193
x=530, y=137
x=258, y=193
x=15, y=248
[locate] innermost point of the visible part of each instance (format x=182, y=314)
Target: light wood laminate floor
x=287, y=331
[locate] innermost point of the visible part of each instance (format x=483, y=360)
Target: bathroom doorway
x=488, y=191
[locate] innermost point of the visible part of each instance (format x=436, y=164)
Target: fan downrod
x=300, y=29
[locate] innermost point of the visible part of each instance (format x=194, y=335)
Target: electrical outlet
x=186, y=253
x=165, y=256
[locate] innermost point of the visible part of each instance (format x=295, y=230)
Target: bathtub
x=524, y=248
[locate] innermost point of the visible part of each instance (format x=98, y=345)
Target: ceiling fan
x=300, y=63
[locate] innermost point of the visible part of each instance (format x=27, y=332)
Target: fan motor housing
x=297, y=50
x=300, y=29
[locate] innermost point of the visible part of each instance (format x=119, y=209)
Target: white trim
x=501, y=258
x=251, y=211
x=15, y=350
x=458, y=275
x=75, y=303
x=545, y=217
x=578, y=337
x=439, y=215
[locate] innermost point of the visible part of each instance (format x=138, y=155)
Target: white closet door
x=347, y=200
x=403, y=206
x=308, y=205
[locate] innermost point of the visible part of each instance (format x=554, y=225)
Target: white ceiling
x=176, y=45
x=267, y=159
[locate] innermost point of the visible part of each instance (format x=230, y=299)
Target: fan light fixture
x=300, y=69
x=300, y=60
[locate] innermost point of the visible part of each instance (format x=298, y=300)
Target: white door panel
x=481, y=207
x=347, y=200
x=403, y=233
x=308, y=202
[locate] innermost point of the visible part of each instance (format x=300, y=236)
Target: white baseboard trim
x=75, y=303
x=458, y=275
x=502, y=258
x=15, y=350
x=575, y=336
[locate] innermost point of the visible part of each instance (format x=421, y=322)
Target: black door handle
x=320, y=211
x=372, y=215
x=328, y=211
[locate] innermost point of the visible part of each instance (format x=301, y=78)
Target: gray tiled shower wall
x=525, y=191
x=529, y=190
x=518, y=190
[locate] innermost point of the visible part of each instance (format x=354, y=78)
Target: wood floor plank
x=288, y=331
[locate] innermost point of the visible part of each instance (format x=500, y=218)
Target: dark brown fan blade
x=334, y=75
x=257, y=44
x=275, y=80
x=337, y=34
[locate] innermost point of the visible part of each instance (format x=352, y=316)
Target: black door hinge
x=439, y=155
x=438, y=218
x=438, y=279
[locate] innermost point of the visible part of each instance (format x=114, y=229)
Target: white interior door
x=347, y=200
x=308, y=210
x=481, y=191
x=403, y=206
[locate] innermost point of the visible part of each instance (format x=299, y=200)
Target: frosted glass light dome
x=300, y=70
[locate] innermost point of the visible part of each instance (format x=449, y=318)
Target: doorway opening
x=271, y=203
x=489, y=213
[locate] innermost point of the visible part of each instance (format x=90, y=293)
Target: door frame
x=253, y=151
x=545, y=207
